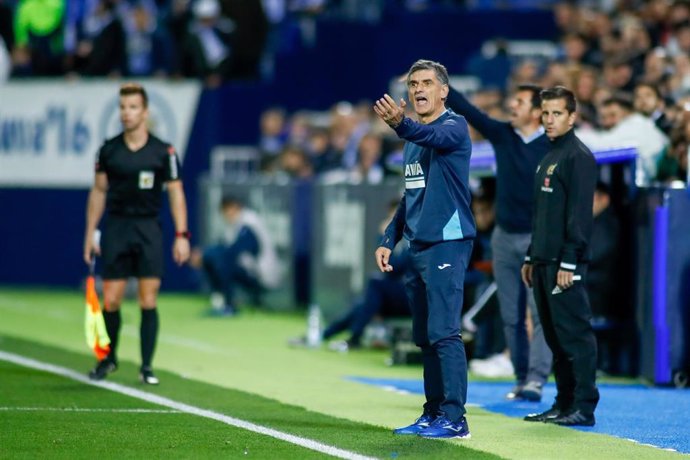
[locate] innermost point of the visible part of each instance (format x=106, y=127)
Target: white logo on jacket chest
x=413, y=169
x=414, y=176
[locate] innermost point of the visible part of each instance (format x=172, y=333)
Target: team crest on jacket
x=547, y=185
x=550, y=169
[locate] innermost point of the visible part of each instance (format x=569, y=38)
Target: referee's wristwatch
x=185, y=234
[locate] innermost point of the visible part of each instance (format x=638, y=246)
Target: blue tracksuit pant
x=434, y=287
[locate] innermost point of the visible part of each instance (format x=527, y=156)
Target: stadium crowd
x=217, y=40
x=629, y=66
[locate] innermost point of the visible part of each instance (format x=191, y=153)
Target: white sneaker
x=341, y=346
x=217, y=301
x=496, y=366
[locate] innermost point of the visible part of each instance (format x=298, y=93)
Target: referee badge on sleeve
x=146, y=180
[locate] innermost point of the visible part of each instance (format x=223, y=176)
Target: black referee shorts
x=132, y=247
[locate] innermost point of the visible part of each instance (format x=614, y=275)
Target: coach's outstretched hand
x=390, y=112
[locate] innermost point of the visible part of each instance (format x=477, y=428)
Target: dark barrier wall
x=346, y=227
x=663, y=305
x=41, y=236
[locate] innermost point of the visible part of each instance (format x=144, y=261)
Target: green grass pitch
x=239, y=367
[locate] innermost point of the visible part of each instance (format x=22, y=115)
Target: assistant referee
x=131, y=169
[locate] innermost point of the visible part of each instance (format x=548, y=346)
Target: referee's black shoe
x=543, y=416
x=147, y=377
x=102, y=369
x=576, y=418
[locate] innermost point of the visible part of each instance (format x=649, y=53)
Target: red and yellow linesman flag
x=96, y=335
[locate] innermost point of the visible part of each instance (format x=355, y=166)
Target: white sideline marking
x=182, y=407
x=86, y=409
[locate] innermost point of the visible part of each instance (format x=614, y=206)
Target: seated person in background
x=489, y=355
x=244, y=257
x=488, y=334
x=603, y=280
x=601, y=276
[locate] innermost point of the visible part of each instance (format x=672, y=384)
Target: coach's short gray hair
x=424, y=64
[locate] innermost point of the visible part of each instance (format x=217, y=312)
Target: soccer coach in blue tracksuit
x=434, y=217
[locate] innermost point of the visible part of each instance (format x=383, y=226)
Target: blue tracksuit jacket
x=436, y=203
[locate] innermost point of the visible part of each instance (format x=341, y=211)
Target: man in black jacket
x=556, y=262
x=519, y=146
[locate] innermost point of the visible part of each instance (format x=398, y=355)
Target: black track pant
x=565, y=317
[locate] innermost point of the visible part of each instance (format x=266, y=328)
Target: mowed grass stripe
x=369, y=440
x=87, y=409
x=118, y=435
x=182, y=407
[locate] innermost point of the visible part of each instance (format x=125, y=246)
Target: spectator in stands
x=244, y=257
x=623, y=127
x=679, y=80
x=322, y=156
x=679, y=44
x=179, y=18
x=276, y=12
x=656, y=67
x=361, y=121
x=147, y=52
x=208, y=53
x=248, y=37
x=38, y=45
x=649, y=102
x=101, y=51
x=299, y=128
x=273, y=132
x=557, y=73
x=346, y=130
x=295, y=163
x=618, y=74
x=519, y=144
x=577, y=50
x=585, y=88
x=673, y=165
x=367, y=169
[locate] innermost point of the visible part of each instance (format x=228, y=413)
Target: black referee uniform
x=132, y=242
x=562, y=226
x=132, y=239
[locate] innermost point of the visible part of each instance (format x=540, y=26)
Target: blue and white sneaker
x=444, y=428
x=422, y=423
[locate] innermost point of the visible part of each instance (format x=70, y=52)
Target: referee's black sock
x=149, y=333
x=112, y=326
